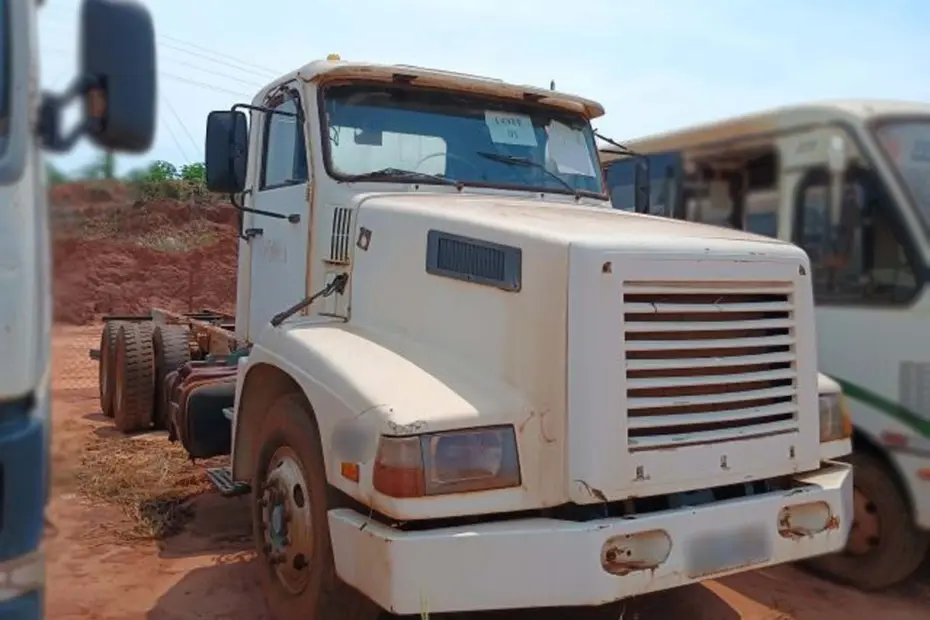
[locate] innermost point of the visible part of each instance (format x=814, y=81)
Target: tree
x=161, y=170
x=55, y=175
x=194, y=172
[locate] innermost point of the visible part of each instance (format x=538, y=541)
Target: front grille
x=708, y=361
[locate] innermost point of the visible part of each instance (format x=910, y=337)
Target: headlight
x=835, y=422
x=451, y=462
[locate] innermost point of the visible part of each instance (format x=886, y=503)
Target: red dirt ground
x=116, y=256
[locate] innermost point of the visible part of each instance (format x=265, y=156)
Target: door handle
x=249, y=233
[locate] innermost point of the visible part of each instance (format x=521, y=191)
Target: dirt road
x=98, y=571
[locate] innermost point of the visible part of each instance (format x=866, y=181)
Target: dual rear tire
x=135, y=358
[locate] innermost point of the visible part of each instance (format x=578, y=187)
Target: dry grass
x=149, y=478
x=198, y=234
x=149, y=229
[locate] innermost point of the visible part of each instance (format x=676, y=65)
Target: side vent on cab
x=340, y=238
x=474, y=260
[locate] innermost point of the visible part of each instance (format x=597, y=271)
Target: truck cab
x=456, y=354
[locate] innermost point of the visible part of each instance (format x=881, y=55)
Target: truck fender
x=358, y=389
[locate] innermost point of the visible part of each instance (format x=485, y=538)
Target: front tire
x=290, y=500
x=885, y=546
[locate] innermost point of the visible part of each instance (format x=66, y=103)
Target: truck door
x=278, y=271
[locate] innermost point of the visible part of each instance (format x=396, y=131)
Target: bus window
x=665, y=176
x=665, y=173
x=761, y=213
x=907, y=144
x=621, y=184
x=859, y=259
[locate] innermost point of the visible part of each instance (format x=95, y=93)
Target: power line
x=181, y=123
x=204, y=85
x=203, y=53
x=232, y=61
x=177, y=143
x=247, y=82
x=175, y=77
x=212, y=71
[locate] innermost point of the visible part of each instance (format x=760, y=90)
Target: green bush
x=159, y=180
x=163, y=179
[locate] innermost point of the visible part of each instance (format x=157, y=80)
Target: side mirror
x=641, y=185
x=118, y=59
x=227, y=151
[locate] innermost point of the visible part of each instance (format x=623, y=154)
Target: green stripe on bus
x=888, y=407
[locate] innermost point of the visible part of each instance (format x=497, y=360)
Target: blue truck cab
x=116, y=82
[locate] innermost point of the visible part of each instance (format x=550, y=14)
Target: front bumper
x=528, y=563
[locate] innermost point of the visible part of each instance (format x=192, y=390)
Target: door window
x=285, y=152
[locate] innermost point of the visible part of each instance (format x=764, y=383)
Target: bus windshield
x=392, y=133
x=907, y=145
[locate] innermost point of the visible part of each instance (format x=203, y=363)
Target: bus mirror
x=118, y=64
x=641, y=185
x=227, y=151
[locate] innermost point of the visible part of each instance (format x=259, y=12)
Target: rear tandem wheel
x=107, y=365
x=134, y=384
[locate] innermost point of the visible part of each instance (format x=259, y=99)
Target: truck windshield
x=5, y=73
x=384, y=133
x=907, y=145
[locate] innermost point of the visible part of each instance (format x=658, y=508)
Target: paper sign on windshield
x=569, y=150
x=507, y=128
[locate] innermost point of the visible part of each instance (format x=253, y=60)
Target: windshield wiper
x=622, y=148
x=398, y=174
x=513, y=160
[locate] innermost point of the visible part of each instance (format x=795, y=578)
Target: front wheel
x=289, y=522
x=885, y=546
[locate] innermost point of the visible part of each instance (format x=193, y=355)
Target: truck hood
x=578, y=224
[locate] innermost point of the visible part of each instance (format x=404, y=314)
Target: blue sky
x=654, y=64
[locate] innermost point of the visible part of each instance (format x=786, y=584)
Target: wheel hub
x=286, y=521
x=865, y=534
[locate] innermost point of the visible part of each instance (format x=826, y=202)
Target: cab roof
x=333, y=68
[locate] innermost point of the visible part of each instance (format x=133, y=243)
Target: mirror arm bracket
x=49, y=128
x=264, y=110
x=293, y=218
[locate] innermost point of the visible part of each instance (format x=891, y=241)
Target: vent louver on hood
x=474, y=260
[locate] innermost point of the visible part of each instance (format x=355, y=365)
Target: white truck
x=117, y=83
x=453, y=361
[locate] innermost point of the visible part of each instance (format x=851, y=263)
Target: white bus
x=849, y=182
